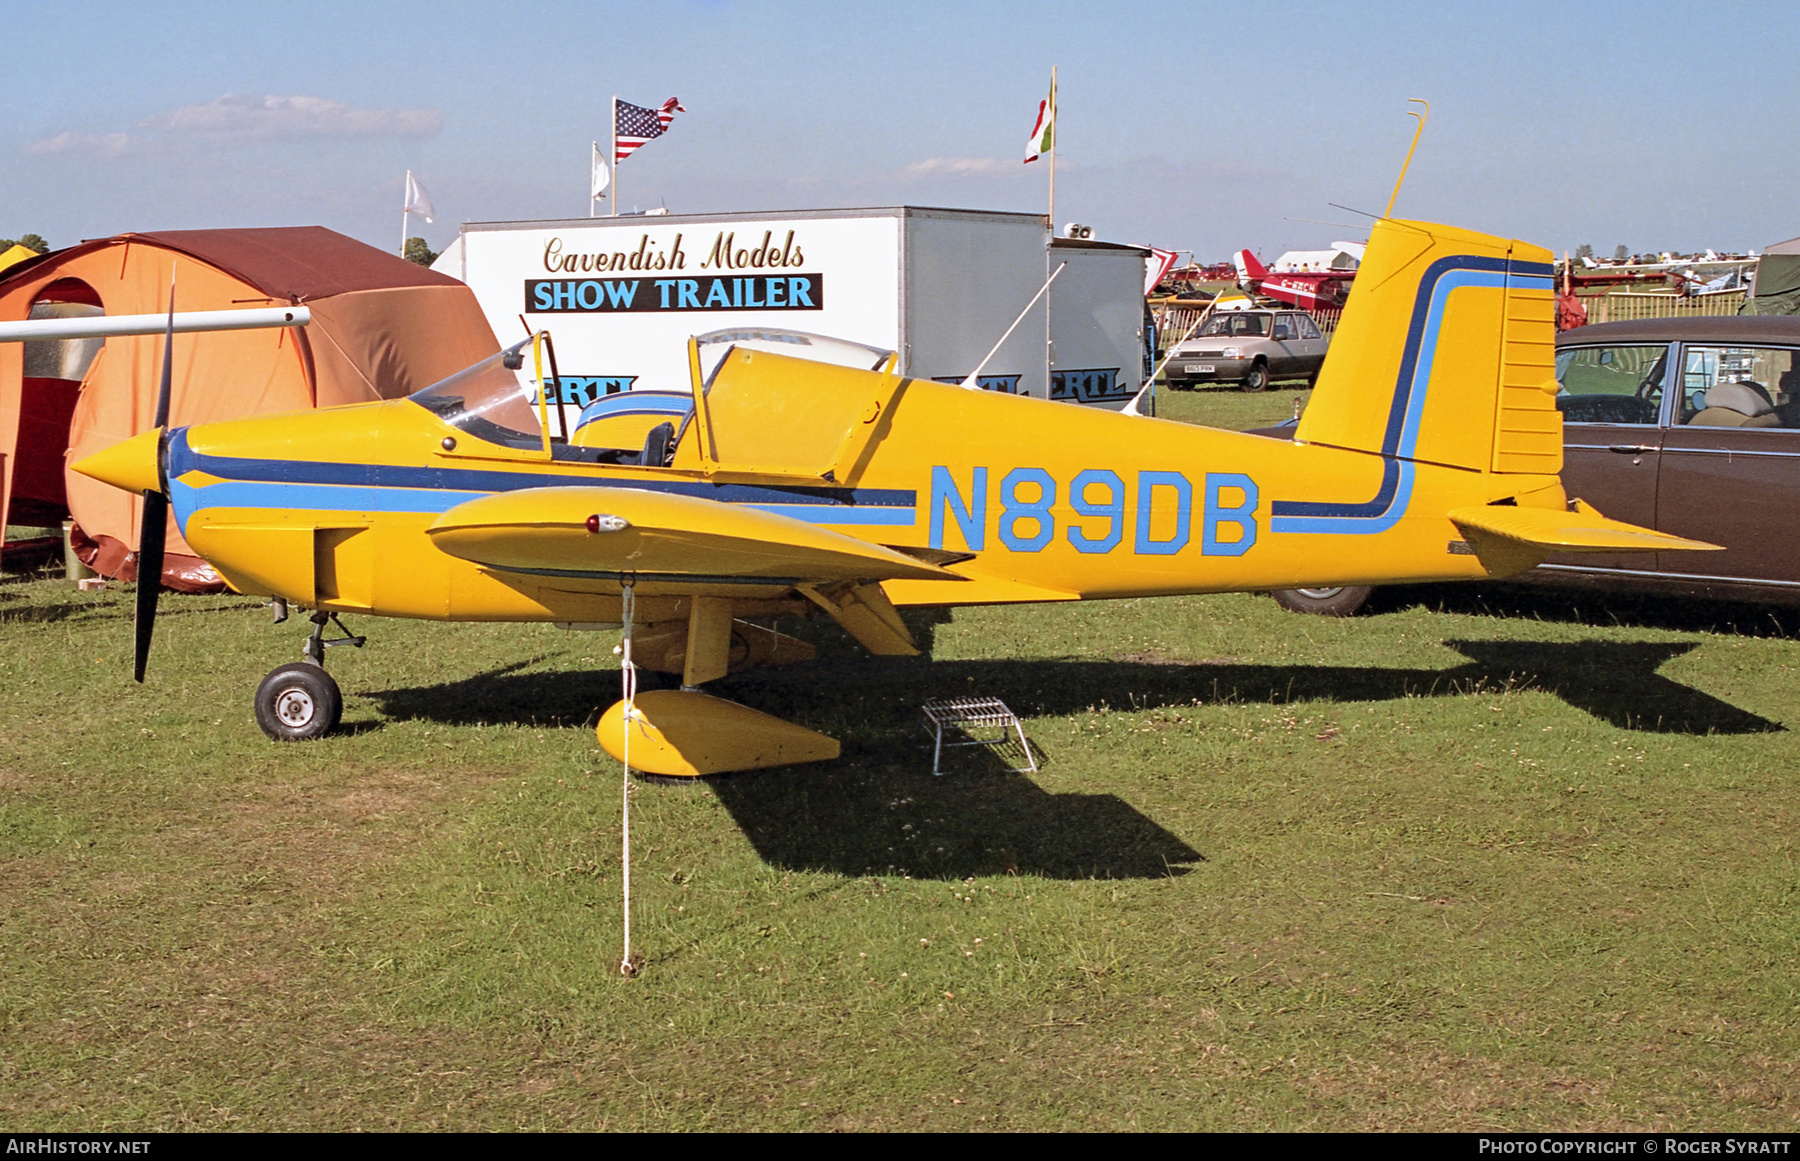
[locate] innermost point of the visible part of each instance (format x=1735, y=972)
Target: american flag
x=634, y=125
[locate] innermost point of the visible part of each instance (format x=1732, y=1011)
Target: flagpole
x=613, y=158
x=405, y=212
x=1049, y=347
x=1054, y=134
x=591, y=198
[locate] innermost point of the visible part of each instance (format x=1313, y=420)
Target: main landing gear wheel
x=1338, y=601
x=297, y=702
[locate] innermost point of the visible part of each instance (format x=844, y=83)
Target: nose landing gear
x=300, y=701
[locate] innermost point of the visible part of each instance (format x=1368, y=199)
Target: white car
x=1250, y=347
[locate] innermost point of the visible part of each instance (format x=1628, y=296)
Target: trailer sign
x=607, y=296
x=938, y=287
x=582, y=390
x=1095, y=385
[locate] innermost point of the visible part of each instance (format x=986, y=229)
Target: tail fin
x=1445, y=354
x=1249, y=270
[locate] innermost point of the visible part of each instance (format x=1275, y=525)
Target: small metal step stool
x=964, y=715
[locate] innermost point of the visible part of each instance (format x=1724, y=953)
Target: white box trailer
x=1100, y=339
x=622, y=295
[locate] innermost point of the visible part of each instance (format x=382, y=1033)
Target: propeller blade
x=168, y=367
x=151, y=536
x=153, y=527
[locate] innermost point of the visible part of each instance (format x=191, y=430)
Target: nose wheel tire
x=298, y=702
x=1338, y=601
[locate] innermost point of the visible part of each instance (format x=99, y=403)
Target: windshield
x=489, y=400
x=819, y=348
x=1233, y=323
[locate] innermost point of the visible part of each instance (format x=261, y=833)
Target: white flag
x=601, y=177
x=417, y=200
x=1043, y=134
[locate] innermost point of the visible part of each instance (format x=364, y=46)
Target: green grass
x=1231, y=408
x=1475, y=860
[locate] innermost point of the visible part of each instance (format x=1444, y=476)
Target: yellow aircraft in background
x=804, y=475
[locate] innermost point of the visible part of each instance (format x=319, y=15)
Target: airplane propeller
x=153, y=525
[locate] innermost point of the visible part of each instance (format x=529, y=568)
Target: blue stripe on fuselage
x=842, y=514
x=1400, y=439
x=189, y=499
x=334, y=487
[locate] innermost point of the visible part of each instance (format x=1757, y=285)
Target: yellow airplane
x=805, y=475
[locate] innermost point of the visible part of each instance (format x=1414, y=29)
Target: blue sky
x=1196, y=126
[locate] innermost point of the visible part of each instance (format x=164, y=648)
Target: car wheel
x=1337, y=601
x=298, y=702
x=1258, y=378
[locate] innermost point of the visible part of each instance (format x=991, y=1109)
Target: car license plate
x=1198, y=368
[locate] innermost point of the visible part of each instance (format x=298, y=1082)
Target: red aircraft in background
x=1314, y=290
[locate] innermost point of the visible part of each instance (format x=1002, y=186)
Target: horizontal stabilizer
x=1509, y=539
x=610, y=533
x=1580, y=530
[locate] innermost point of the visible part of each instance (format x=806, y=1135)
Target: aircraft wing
x=1582, y=529
x=607, y=533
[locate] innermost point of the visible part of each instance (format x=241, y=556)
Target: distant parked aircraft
x=1307, y=290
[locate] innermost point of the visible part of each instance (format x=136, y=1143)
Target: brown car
x=1689, y=426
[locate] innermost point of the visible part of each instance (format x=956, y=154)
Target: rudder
x=1248, y=268
x=1445, y=354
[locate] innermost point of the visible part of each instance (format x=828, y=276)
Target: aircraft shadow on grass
x=870, y=814
x=1616, y=682
x=888, y=818
x=82, y=611
x=877, y=810
x=37, y=614
x=1598, y=606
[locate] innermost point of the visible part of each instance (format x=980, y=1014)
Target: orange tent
x=381, y=328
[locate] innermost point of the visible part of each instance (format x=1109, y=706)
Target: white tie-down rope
x=628, y=677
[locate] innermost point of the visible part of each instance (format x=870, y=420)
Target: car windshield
x=1232, y=324
x=489, y=400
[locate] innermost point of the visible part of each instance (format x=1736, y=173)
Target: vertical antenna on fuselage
x=1409, y=150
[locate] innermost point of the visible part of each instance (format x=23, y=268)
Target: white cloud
x=69, y=141
x=961, y=167
x=236, y=116
x=239, y=115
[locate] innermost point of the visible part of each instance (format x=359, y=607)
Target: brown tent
x=381, y=328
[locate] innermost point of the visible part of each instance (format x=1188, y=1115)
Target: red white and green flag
x=1043, y=134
